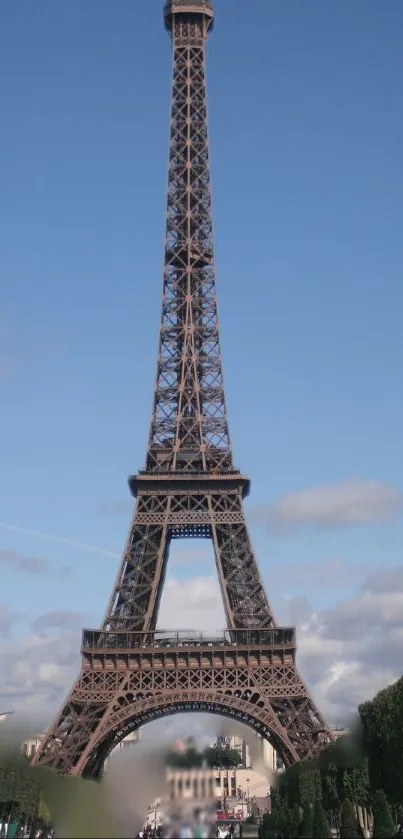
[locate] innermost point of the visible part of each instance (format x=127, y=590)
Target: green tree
x=361, y=784
x=321, y=829
x=382, y=728
x=310, y=787
x=19, y=793
x=347, y=787
x=384, y=827
x=290, y=783
x=43, y=810
x=232, y=758
x=275, y=799
x=283, y=820
x=306, y=826
x=330, y=793
x=221, y=758
x=269, y=826
x=294, y=821
x=349, y=828
x=190, y=759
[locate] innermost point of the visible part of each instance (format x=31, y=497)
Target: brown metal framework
x=189, y=488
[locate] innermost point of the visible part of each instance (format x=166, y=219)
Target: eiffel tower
x=130, y=672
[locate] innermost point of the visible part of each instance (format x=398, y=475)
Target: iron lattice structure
x=189, y=488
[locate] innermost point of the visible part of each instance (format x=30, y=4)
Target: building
x=270, y=757
x=235, y=744
x=223, y=785
x=341, y=732
x=128, y=743
x=31, y=746
x=248, y=754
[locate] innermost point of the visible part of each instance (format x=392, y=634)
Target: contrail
x=52, y=538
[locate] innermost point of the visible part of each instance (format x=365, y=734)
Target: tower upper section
x=188, y=8
x=189, y=428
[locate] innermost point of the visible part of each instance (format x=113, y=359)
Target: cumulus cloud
x=320, y=573
x=353, y=649
x=190, y=555
x=57, y=621
x=385, y=581
x=39, y=668
x=30, y=564
x=354, y=502
x=300, y=610
x=192, y=604
x=7, y=619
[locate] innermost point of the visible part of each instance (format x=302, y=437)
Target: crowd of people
x=199, y=824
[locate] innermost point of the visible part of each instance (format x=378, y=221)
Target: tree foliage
x=306, y=827
x=214, y=758
x=190, y=759
x=19, y=794
x=321, y=829
x=348, y=821
x=43, y=811
x=346, y=775
x=384, y=827
x=294, y=821
x=222, y=758
x=382, y=723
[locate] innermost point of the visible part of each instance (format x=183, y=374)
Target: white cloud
x=351, y=503
x=321, y=573
x=350, y=651
x=30, y=564
x=58, y=620
x=6, y=621
x=385, y=581
x=192, y=604
x=37, y=669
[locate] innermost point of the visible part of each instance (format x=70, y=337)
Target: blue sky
x=306, y=123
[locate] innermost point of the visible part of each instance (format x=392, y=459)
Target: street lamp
x=247, y=795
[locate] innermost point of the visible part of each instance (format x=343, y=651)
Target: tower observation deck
x=188, y=7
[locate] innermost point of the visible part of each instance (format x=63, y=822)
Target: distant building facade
x=128, y=743
x=30, y=747
x=223, y=785
x=265, y=752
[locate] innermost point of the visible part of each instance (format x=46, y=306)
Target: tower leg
x=243, y=592
x=137, y=592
